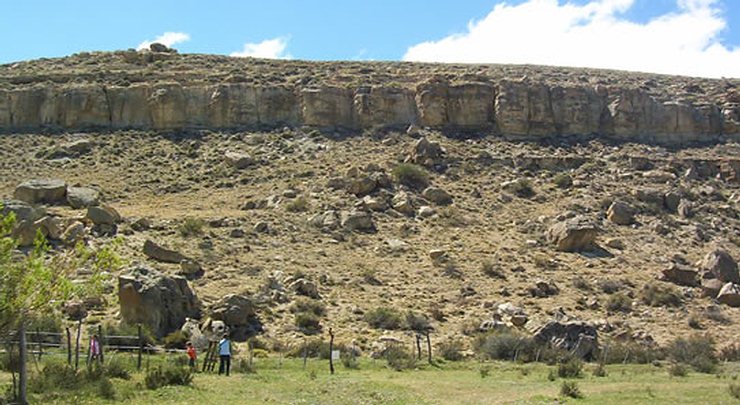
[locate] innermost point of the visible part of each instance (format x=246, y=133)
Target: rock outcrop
x=517, y=109
x=161, y=302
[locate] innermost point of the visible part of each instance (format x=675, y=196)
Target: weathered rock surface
x=161, y=302
x=161, y=253
x=620, y=213
x=239, y=314
x=729, y=295
x=681, y=275
x=82, y=197
x=720, y=265
x=103, y=215
x=39, y=191
x=579, y=338
x=573, y=235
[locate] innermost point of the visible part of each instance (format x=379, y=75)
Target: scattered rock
x=437, y=196
x=361, y=185
x=75, y=310
x=238, y=160
x=22, y=210
x=82, y=197
x=437, y=254
x=729, y=295
x=39, y=191
x=710, y=287
x=162, y=303
x=620, y=213
x=239, y=313
x=160, y=48
x=426, y=211
x=401, y=202
x=426, y=153
x=685, y=209
x=326, y=220
x=190, y=268
x=681, y=274
x=304, y=287
x=162, y=254
x=74, y=233
x=261, y=227
x=542, y=289
x=374, y=203
x=141, y=224
x=573, y=235
x=720, y=265
x=103, y=215
x=358, y=221
x=615, y=243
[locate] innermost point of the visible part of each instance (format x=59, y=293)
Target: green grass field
x=287, y=382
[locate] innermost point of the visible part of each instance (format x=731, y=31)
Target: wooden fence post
x=69, y=347
x=418, y=346
x=77, y=345
x=141, y=347
x=429, y=347
x=100, y=342
x=331, y=351
x=39, y=341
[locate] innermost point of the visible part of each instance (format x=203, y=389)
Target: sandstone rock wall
x=509, y=108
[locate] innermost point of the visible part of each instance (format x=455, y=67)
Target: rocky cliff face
x=529, y=108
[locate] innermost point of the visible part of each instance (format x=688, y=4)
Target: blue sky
x=427, y=30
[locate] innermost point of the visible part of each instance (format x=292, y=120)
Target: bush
x=191, y=227
x=300, y=204
x=106, y=389
x=581, y=283
x=417, y=322
x=678, y=370
x=619, y=303
x=304, y=304
x=484, y=371
x=657, y=295
x=349, y=360
x=600, y=370
x=53, y=377
x=411, y=175
x=175, y=340
x=730, y=352
x=10, y=362
x=115, y=368
x=399, y=358
x=314, y=348
x=308, y=323
x=563, y=180
x=571, y=367
x=243, y=366
x=734, y=390
x=492, y=270
x=168, y=375
x=697, y=351
x=570, y=389
x=451, y=350
x=505, y=345
x=384, y=318
x=615, y=353
x=522, y=188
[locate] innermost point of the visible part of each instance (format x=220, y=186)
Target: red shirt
x=191, y=352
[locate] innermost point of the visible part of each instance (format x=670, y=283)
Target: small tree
x=28, y=288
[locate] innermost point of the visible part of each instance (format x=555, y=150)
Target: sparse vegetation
x=451, y=350
x=698, y=351
x=505, y=345
x=168, y=374
x=619, y=303
x=563, y=180
x=300, y=204
x=657, y=295
x=411, y=175
x=570, y=367
x=191, y=227
x=570, y=389
x=384, y=318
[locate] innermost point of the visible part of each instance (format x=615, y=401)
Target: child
x=191, y=354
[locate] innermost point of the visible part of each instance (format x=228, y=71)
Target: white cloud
x=550, y=32
x=168, y=39
x=269, y=49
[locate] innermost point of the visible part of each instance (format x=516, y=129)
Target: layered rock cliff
x=145, y=91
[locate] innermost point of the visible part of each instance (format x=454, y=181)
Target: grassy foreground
x=287, y=382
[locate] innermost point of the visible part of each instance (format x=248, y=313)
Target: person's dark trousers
x=225, y=363
x=191, y=363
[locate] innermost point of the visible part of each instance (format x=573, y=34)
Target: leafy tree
x=29, y=287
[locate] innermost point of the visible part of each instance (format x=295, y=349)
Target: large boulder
x=239, y=313
x=162, y=254
x=579, y=338
x=48, y=191
x=23, y=211
x=426, y=153
x=103, y=215
x=681, y=274
x=238, y=160
x=573, y=235
x=729, y=295
x=82, y=197
x=437, y=196
x=161, y=302
x=720, y=265
x=358, y=221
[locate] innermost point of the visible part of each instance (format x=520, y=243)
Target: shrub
x=168, y=375
x=308, y=322
x=505, y=345
x=484, y=371
x=619, y=303
x=571, y=367
x=417, y=322
x=10, y=362
x=411, y=175
x=304, y=304
x=730, y=352
x=243, y=366
x=314, y=348
x=570, y=389
x=734, y=390
x=399, y=358
x=115, y=368
x=600, y=370
x=581, y=283
x=384, y=318
x=697, y=351
x=657, y=295
x=299, y=204
x=563, y=180
x=106, y=389
x=522, y=188
x=492, y=270
x=678, y=370
x=451, y=350
x=615, y=353
x=349, y=360
x=610, y=286
x=54, y=376
x=175, y=340
x=191, y=227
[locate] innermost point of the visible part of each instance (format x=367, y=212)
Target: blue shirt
x=224, y=347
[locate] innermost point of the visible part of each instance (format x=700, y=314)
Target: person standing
x=95, y=348
x=224, y=351
x=191, y=354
